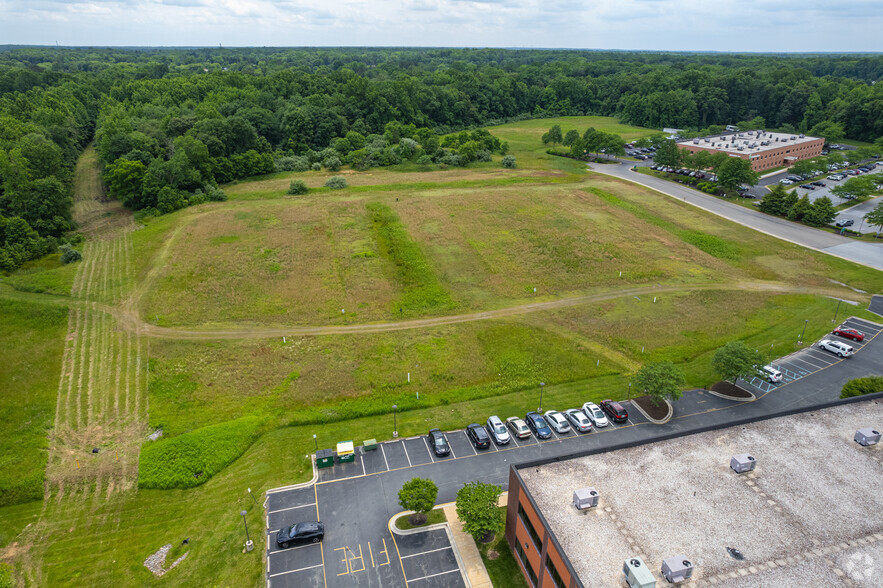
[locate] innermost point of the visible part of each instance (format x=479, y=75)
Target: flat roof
x=811, y=514
x=747, y=142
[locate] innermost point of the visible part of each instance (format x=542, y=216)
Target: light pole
x=804, y=330
x=542, y=385
x=630, y=390
x=253, y=498
x=248, y=544
x=836, y=311
x=316, y=441
x=395, y=428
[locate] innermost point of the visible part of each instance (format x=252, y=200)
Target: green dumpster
x=346, y=453
x=370, y=445
x=324, y=458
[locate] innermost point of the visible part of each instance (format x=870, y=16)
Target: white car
x=498, y=430
x=772, y=374
x=835, y=177
x=786, y=182
x=557, y=421
x=579, y=420
x=841, y=349
x=593, y=411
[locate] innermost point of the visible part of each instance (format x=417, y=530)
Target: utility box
x=324, y=458
x=370, y=445
x=677, y=569
x=742, y=463
x=346, y=453
x=867, y=436
x=585, y=498
x=637, y=574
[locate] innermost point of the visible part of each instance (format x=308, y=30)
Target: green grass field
x=398, y=244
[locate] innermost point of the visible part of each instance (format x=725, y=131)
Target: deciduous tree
x=419, y=495
x=477, y=508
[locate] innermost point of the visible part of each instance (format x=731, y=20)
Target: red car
x=848, y=333
x=615, y=411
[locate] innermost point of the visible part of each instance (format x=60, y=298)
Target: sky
x=676, y=25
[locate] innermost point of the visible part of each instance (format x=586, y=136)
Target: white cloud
x=718, y=25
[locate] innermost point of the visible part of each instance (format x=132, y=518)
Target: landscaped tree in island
x=857, y=187
x=875, y=217
x=736, y=360
x=418, y=495
x=736, y=171
x=660, y=381
x=477, y=508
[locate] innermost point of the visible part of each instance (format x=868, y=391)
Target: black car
x=615, y=411
x=478, y=436
x=300, y=533
x=538, y=425
x=819, y=184
x=845, y=222
x=439, y=443
x=808, y=187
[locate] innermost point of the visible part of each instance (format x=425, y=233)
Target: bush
x=298, y=187
x=215, y=194
x=336, y=182
x=69, y=254
x=483, y=155
x=424, y=160
x=295, y=163
x=333, y=163
x=316, y=167
x=192, y=458
x=6, y=579
x=509, y=162
x=862, y=386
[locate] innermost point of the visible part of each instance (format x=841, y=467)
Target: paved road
x=868, y=254
x=355, y=500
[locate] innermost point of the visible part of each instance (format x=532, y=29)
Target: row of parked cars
x=540, y=425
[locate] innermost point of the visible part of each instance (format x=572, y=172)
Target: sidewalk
x=472, y=563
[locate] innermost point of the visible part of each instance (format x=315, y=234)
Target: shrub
x=509, y=162
x=861, y=386
x=294, y=163
x=69, y=254
x=483, y=155
x=316, y=166
x=298, y=187
x=333, y=163
x=336, y=182
x=215, y=194
x=424, y=160
x=192, y=458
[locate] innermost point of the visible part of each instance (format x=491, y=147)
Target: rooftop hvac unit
x=637, y=575
x=707, y=140
x=723, y=138
x=867, y=436
x=585, y=498
x=742, y=463
x=802, y=135
x=677, y=569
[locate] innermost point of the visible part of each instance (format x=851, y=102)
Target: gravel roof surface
x=813, y=488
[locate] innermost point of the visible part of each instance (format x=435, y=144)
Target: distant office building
x=764, y=149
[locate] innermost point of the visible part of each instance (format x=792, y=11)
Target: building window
x=519, y=551
x=553, y=571
x=530, y=530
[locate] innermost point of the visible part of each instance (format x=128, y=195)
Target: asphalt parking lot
x=355, y=501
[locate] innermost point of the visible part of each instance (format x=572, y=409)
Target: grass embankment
x=47, y=275
x=502, y=567
x=433, y=517
x=31, y=348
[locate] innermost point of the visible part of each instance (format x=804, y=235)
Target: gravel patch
x=808, y=573
x=813, y=487
x=155, y=562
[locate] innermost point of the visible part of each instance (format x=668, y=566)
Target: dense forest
x=171, y=124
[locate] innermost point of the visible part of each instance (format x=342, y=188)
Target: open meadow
x=224, y=325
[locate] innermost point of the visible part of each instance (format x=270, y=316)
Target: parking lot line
x=425, y=552
x=433, y=575
x=291, y=508
x=298, y=570
x=425, y=442
x=384, y=457
x=289, y=549
x=405, y=449
x=823, y=357
x=809, y=363
x=471, y=446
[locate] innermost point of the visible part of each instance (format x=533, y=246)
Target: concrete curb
x=310, y=482
x=397, y=531
x=725, y=397
x=667, y=418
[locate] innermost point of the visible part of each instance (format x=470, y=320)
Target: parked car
x=595, y=414
x=835, y=177
x=836, y=347
x=538, y=425
x=786, y=182
x=300, y=533
x=478, y=436
x=498, y=430
x=772, y=374
x=438, y=442
x=579, y=420
x=794, y=178
x=819, y=184
x=615, y=411
x=849, y=333
x=518, y=427
x=700, y=175
x=844, y=222
x=557, y=421
x=808, y=187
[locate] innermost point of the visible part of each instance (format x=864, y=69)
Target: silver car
x=498, y=430
x=557, y=421
x=579, y=420
x=595, y=415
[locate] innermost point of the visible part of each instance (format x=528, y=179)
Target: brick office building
x=765, y=149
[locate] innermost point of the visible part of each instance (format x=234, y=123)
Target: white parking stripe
x=425, y=442
x=468, y=440
x=384, y=457
x=820, y=356
x=425, y=552
x=451, y=447
x=814, y=367
x=406, y=453
x=290, y=548
x=433, y=575
x=292, y=508
x=298, y=570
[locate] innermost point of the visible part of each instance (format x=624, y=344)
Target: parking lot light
x=252, y=497
x=248, y=544
x=804, y=330
x=316, y=441
x=395, y=429
x=836, y=310
x=542, y=385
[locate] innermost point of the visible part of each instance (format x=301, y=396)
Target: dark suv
x=478, y=436
x=439, y=443
x=538, y=425
x=615, y=411
x=310, y=532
